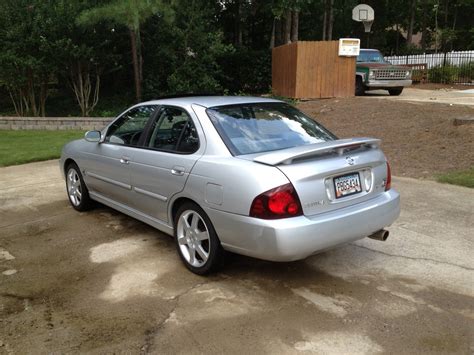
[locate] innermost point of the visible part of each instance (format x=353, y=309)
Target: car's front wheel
x=77, y=189
x=395, y=91
x=196, y=240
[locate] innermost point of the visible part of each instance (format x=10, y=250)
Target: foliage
x=20, y=147
x=81, y=57
x=188, y=52
x=132, y=14
x=199, y=45
x=462, y=178
x=28, y=38
x=448, y=73
x=247, y=70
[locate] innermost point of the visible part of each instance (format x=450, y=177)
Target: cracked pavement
x=102, y=282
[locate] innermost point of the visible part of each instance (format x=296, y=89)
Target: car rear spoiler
x=286, y=156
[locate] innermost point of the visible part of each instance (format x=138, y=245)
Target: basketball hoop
x=365, y=14
x=367, y=25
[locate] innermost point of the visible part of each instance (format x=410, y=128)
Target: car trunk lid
x=333, y=174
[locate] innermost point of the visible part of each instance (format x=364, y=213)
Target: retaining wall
x=54, y=123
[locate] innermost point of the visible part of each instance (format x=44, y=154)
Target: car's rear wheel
x=196, y=240
x=395, y=91
x=76, y=189
x=359, y=87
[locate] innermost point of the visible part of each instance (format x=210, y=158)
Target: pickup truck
x=373, y=72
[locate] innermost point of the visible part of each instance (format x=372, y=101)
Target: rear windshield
x=255, y=128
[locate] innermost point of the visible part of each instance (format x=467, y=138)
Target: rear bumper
x=388, y=83
x=299, y=237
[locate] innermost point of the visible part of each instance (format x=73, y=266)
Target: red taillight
x=388, y=183
x=280, y=202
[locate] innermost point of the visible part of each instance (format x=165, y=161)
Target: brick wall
x=54, y=123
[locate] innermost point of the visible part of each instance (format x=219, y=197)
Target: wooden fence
x=307, y=70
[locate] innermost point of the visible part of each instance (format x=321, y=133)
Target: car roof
x=210, y=101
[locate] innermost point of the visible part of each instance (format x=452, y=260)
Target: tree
x=411, y=24
x=328, y=19
x=29, y=33
x=132, y=14
x=286, y=21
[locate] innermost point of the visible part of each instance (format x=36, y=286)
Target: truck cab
x=373, y=72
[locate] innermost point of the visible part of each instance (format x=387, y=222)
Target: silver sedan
x=249, y=175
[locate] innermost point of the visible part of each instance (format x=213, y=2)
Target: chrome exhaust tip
x=381, y=235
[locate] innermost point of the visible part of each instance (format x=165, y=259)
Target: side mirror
x=93, y=136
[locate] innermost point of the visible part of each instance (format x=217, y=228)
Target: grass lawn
x=20, y=147
x=463, y=178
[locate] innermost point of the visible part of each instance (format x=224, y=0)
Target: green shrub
x=443, y=74
x=449, y=74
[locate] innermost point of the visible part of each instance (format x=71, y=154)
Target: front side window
x=173, y=131
x=128, y=129
x=255, y=128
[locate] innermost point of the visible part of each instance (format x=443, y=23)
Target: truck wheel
x=395, y=91
x=359, y=89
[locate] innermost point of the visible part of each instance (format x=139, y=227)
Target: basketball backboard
x=362, y=13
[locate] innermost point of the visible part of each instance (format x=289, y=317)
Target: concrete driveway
x=102, y=282
x=443, y=96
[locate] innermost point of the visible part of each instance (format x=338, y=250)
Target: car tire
x=395, y=91
x=359, y=87
x=76, y=189
x=196, y=240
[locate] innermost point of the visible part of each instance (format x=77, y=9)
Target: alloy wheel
x=74, y=187
x=193, y=238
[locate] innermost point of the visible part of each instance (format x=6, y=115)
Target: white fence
x=435, y=60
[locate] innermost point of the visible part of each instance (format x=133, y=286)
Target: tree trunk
x=238, y=24
x=295, y=15
x=436, y=30
x=272, y=37
x=43, y=97
x=83, y=87
x=136, y=69
x=424, y=30
x=31, y=94
x=278, y=32
x=397, y=40
x=287, y=35
x=412, y=22
x=454, y=23
x=446, y=12
x=325, y=19
x=140, y=59
x=331, y=19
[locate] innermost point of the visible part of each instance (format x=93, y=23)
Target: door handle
x=177, y=170
x=124, y=160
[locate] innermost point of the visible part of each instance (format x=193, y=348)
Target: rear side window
x=173, y=131
x=255, y=128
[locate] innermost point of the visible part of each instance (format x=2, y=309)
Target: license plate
x=347, y=185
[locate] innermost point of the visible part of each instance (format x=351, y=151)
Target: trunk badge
x=350, y=160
